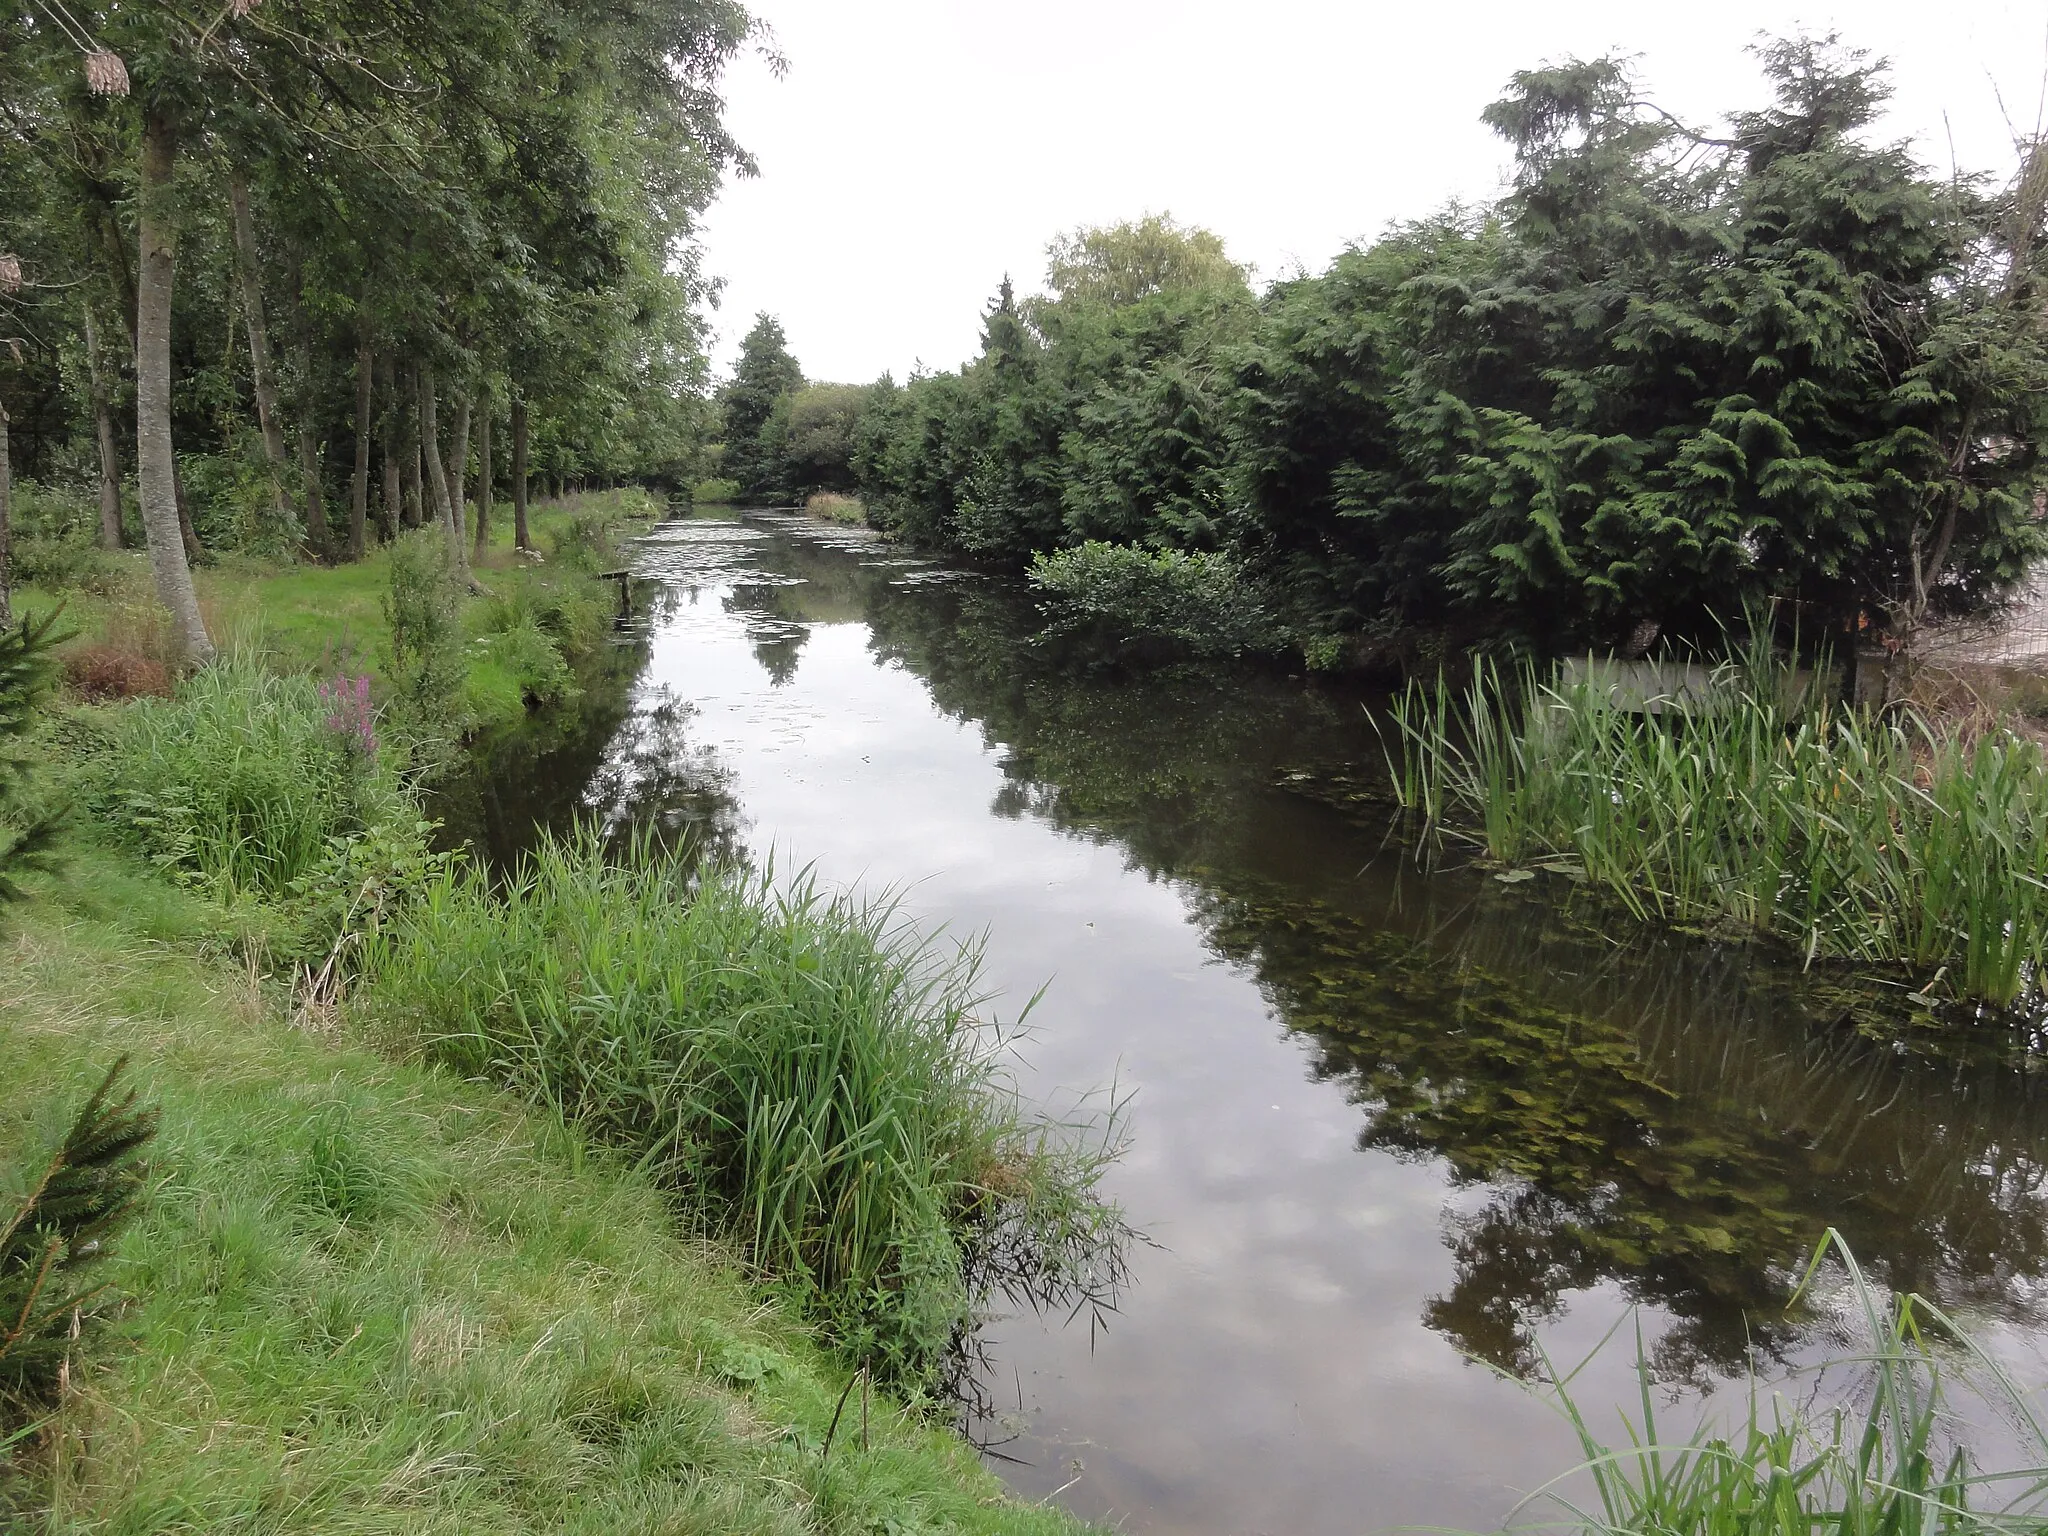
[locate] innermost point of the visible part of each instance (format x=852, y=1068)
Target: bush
x=809, y=1073
x=56, y=534
x=527, y=661
x=423, y=666
x=1118, y=603
x=714, y=492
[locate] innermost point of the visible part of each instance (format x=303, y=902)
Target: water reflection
x=1545, y=1118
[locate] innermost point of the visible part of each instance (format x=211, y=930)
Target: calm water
x=1394, y=1137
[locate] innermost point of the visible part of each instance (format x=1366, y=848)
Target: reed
x=1884, y=1460
x=1756, y=806
x=809, y=1073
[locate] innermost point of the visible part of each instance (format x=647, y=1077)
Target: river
x=1396, y=1136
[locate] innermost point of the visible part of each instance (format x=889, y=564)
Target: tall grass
x=1887, y=1462
x=244, y=780
x=1755, y=806
x=812, y=1077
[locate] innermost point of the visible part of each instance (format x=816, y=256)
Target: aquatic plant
x=1884, y=1461
x=809, y=1072
x=1751, y=805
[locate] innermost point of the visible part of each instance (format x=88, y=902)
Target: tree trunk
x=437, y=474
x=319, y=537
x=394, y=493
x=520, y=537
x=103, y=429
x=458, y=463
x=6, y=527
x=411, y=457
x=156, y=461
x=262, y=376
x=359, y=489
x=483, y=479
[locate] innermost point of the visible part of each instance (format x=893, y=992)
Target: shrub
x=55, y=548
x=714, y=492
x=529, y=662
x=812, y=1075
x=53, y=1235
x=1118, y=603
x=27, y=831
x=423, y=664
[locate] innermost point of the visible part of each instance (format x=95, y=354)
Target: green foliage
x=58, y=1234
x=523, y=654
x=423, y=665
x=54, y=534
x=27, y=671
x=244, y=782
x=454, y=1315
x=797, y=1063
x=715, y=492
x=761, y=386
x=1747, y=803
x=1116, y=603
x=1121, y=264
x=1884, y=1466
x=813, y=437
x=1665, y=377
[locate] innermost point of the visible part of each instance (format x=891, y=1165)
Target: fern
x=52, y=1243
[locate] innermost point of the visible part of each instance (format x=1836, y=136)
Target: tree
x=1120, y=264
x=764, y=378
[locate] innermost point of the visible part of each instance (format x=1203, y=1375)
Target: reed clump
x=811, y=1077
x=1754, y=805
x=1882, y=1458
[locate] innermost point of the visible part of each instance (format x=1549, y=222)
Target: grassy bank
x=367, y=1288
x=1757, y=806
x=516, y=641
x=367, y=1295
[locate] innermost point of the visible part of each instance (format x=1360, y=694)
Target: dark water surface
x=1393, y=1136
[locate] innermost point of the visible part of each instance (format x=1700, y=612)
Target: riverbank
x=364, y=1294
x=364, y=1288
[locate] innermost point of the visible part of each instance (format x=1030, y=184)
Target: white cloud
x=917, y=150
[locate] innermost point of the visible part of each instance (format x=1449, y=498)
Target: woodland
x=273, y=278
x=1671, y=376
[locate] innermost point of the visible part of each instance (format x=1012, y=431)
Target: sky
x=913, y=152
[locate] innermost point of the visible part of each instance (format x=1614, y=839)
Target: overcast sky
x=916, y=150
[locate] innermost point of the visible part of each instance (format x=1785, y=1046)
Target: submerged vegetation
x=1753, y=805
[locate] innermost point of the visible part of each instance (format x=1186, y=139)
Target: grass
x=369, y=1296
x=323, y=619
x=836, y=508
x=1882, y=1463
x=1759, y=808
x=809, y=1071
